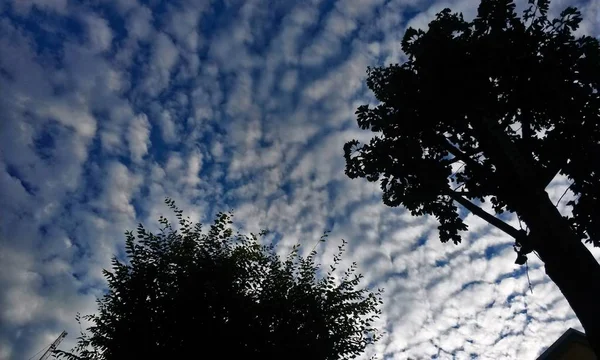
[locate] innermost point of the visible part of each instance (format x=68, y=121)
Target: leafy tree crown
x=186, y=291
x=528, y=80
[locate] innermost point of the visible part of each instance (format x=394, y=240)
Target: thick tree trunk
x=568, y=263
x=566, y=259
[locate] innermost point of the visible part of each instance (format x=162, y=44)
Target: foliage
x=185, y=291
x=476, y=105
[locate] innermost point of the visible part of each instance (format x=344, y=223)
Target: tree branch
x=476, y=210
x=465, y=153
x=460, y=155
x=512, y=158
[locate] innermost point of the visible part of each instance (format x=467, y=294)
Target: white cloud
x=289, y=80
x=168, y=127
x=139, y=24
x=120, y=185
x=182, y=25
x=165, y=52
x=164, y=57
x=98, y=32
x=139, y=137
x=194, y=165
x=70, y=114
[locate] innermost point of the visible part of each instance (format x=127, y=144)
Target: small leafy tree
x=494, y=109
x=186, y=293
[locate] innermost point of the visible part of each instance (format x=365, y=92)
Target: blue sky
x=106, y=108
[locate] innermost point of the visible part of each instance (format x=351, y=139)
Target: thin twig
x=528, y=279
x=567, y=189
x=458, y=187
x=457, y=170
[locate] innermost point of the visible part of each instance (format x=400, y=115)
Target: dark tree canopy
x=525, y=78
x=493, y=109
x=187, y=293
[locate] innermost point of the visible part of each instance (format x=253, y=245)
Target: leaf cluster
x=187, y=292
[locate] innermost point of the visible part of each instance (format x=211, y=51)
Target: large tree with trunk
x=493, y=110
x=189, y=293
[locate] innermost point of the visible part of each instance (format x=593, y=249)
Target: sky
x=108, y=107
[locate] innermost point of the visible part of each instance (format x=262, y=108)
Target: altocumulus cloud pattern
x=106, y=108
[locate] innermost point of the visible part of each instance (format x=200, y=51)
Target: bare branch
x=563, y=194
x=460, y=155
x=476, y=210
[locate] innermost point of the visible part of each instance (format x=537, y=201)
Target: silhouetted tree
x=187, y=293
x=495, y=108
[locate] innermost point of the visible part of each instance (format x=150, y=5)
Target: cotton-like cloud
x=139, y=23
x=233, y=105
x=139, y=137
x=99, y=33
